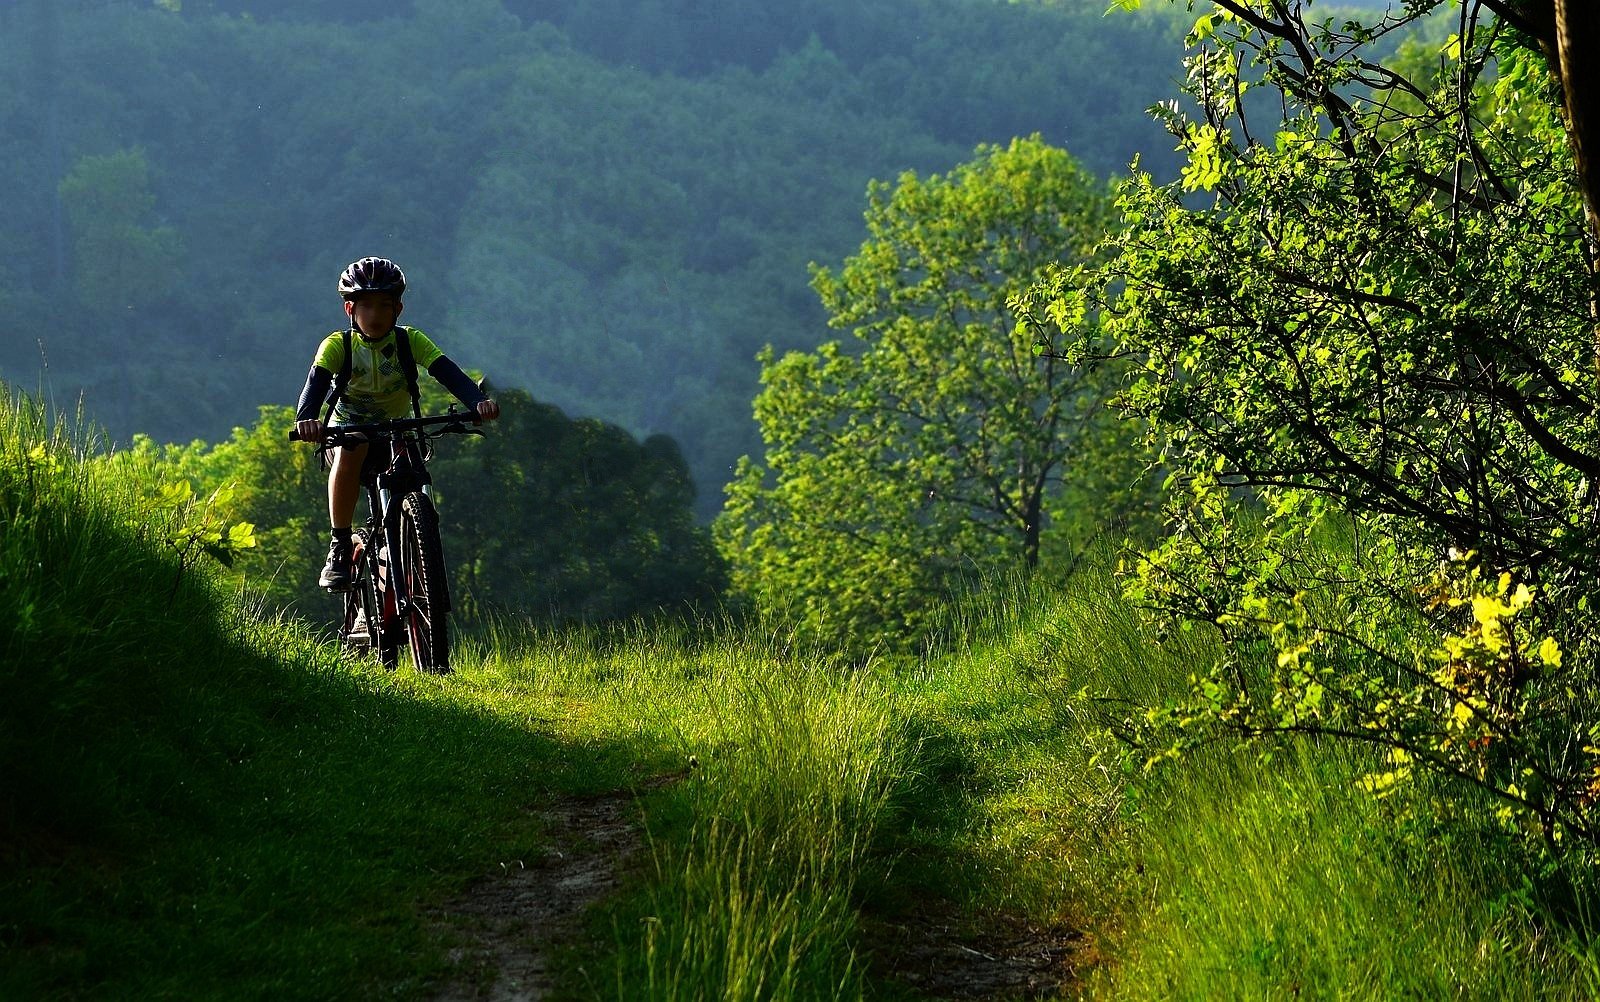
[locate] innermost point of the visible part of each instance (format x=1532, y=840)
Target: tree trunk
x=1577, y=28
x=1030, y=531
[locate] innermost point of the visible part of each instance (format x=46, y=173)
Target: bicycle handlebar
x=347, y=431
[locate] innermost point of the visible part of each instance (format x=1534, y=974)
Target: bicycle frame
x=407, y=471
x=384, y=567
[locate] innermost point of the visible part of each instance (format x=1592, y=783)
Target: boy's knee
x=348, y=458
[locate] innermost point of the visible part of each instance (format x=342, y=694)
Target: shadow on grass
x=932, y=924
x=250, y=815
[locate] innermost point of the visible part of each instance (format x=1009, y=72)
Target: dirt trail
x=945, y=956
x=514, y=915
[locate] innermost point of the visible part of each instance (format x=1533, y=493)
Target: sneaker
x=336, y=573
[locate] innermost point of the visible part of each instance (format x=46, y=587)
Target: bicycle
x=406, y=603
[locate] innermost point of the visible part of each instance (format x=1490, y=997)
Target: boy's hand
x=309, y=430
x=488, y=410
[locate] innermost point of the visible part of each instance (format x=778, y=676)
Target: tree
x=1363, y=330
x=119, y=260
x=1563, y=30
x=926, y=453
x=1559, y=29
x=573, y=520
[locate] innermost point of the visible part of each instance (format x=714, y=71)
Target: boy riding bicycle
x=366, y=366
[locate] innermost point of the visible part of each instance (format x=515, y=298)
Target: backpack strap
x=341, y=379
x=408, y=365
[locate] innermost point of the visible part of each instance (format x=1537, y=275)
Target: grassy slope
x=200, y=804
x=1228, y=875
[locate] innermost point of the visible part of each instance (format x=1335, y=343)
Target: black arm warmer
x=453, y=379
x=314, y=394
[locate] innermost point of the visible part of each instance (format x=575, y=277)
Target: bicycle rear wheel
x=369, y=588
x=426, y=622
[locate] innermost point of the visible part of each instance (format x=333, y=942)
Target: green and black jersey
x=377, y=388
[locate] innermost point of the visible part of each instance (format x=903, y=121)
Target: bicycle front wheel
x=426, y=620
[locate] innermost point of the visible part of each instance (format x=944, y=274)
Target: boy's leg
x=344, y=487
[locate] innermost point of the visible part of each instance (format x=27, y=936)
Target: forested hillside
x=1173, y=586
x=609, y=205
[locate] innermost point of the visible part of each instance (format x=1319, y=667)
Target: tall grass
x=1234, y=872
x=783, y=771
x=755, y=899
x=1284, y=879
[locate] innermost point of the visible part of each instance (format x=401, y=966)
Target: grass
x=204, y=802
x=1296, y=887
x=783, y=771
x=1232, y=873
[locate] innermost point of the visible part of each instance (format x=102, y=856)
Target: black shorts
x=378, y=454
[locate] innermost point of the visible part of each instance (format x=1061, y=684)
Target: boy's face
x=374, y=314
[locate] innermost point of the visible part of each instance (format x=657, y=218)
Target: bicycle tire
x=427, y=619
x=386, y=636
x=365, y=582
x=352, y=608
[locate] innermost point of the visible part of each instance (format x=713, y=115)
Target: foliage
x=198, y=532
x=275, y=486
x=560, y=519
x=121, y=262
x=1376, y=310
x=609, y=205
x=926, y=454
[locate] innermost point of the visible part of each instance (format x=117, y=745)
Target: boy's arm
x=457, y=382
x=313, y=394
x=450, y=375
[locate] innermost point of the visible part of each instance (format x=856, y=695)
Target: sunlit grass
x=202, y=800
x=1283, y=879
x=1253, y=872
x=753, y=895
x=778, y=772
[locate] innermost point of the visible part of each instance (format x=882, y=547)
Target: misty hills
x=609, y=204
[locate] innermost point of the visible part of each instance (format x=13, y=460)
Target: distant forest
x=610, y=204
